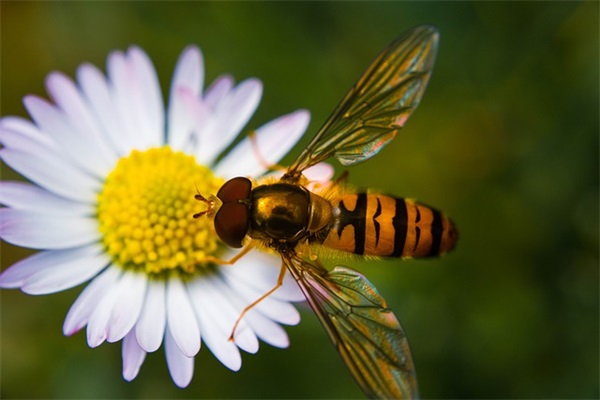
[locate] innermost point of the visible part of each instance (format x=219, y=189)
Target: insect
x=284, y=216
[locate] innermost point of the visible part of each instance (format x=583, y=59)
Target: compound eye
x=232, y=222
x=233, y=218
x=235, y=189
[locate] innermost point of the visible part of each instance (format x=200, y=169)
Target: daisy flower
x=111, y=201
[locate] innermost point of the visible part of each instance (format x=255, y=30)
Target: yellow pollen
x=145, y=212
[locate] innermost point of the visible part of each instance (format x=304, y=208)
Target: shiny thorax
x=287, y=213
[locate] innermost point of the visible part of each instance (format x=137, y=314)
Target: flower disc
x=145, y=212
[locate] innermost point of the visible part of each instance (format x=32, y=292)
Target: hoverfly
x=284, y=216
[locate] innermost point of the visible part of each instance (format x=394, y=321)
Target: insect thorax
x=287, y=213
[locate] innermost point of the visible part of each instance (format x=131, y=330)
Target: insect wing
x=378, y=105
x=365, y=332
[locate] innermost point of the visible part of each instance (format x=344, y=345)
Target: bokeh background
x=505, y=141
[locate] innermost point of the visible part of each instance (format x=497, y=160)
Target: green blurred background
x=505, y=142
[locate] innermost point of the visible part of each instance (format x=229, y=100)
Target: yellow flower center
x=145, y=212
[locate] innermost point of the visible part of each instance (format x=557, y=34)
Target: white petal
x=150, y=327
x=50, y=169
x=224, y=311
x=99, y=320
x=130, y=298
x=277, y=310
x=133, y=86
x=123, y=86
x=261, y=326
x=133, y=356
x=117, y=311
x=260, y=271
x=96, y=90
x=85, y=125
x=181, y=367
x=77, y=146
x=151, y=111
x=267, y=330
x=232, y=113
x=213, y=334
x=42, y=231
x=189, y=76
x=180, y=318
x=25, y=127
x=273, y=140
x=18, y=273
x=64, y=269
x=21, y=195
x=86, y=303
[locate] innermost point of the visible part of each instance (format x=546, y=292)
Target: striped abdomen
x=379, y=225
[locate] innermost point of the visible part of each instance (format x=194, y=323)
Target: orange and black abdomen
x=379, y=225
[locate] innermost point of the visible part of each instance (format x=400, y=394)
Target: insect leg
x=342, y=179
x=267, y=165
x=232, y=260
x=261, y=298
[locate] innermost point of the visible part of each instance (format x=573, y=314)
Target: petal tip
x=95, y=340
x=193, y=52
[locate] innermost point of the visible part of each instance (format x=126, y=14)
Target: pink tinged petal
x=25, y=196
x=320, y=173
x=260, y=271
x=196, y=120
x=204, y=118
x=150, y=108
x=77, y=111
x=42, y=231
x=181, y=367
x=129, y=302
x=76, y=146
x=14, y=276
x=273, y=141
x=96, y=90
x=189, y=71
x=215, y=338
x=188, y=77
x=50, y=170
x=133, y=356
x=218, y=90
x=87, y=301
x=232, y=113
x=150, y=327
x=181, y=319
x=319, y=176
x=64, y=269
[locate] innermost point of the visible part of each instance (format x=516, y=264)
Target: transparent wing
x=378, y=105
x=365, y=332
